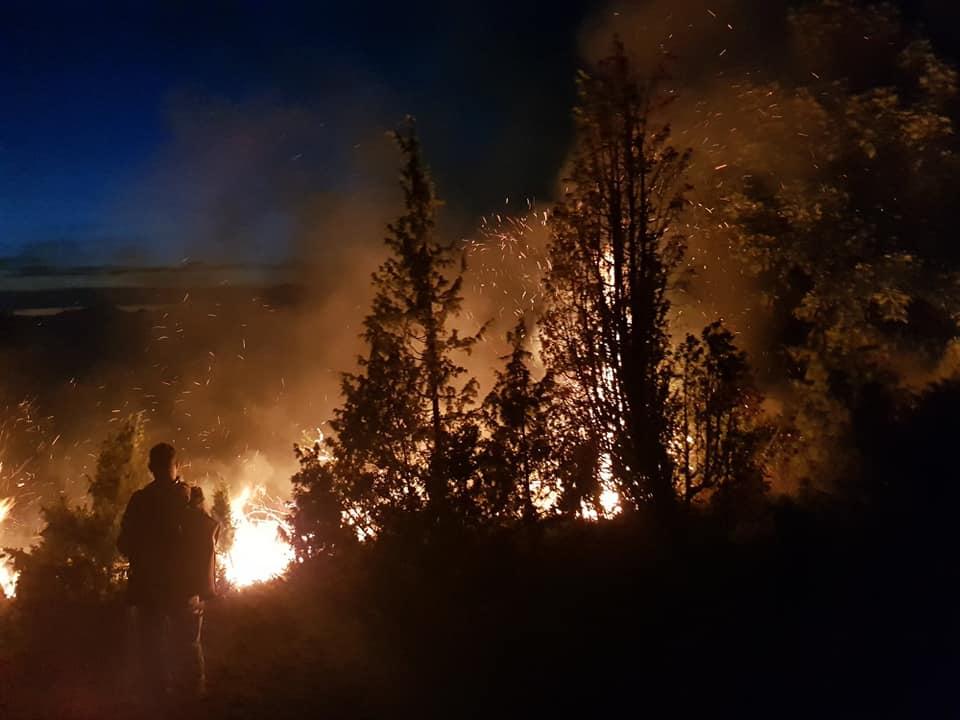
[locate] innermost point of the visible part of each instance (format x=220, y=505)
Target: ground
x=799, y=617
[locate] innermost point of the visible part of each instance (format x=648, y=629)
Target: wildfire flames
x=8, y=578
x=259, y=551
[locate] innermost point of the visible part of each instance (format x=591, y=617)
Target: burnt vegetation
x=636, y=514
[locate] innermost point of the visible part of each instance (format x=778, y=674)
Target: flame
x=610, y=501
x=260, y=551
x=8, y=578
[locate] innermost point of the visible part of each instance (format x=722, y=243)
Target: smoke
x=741, y=74
x=707, y=55
x=287, y=205
x=234, y=375
x=243, y=181
x=696, y=41
x=295, y=186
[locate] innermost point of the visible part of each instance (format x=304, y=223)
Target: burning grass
x=8, y=577
x=260, y=550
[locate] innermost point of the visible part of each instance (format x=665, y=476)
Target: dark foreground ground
x=806, y=613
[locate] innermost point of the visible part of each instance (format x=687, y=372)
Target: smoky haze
x=235, y=377
x=737, y=73
x=232, y=372
x=705, y=53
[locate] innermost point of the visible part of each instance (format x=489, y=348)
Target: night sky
x=111, y=118
x=139, y=135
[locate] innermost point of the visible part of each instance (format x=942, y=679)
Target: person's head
x=163, y=462
x=196, y=497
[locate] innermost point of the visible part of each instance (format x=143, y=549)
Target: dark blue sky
x=101, y=104
x=145, y=131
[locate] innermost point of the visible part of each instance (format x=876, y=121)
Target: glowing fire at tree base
x=8, y=578
x=260, y=550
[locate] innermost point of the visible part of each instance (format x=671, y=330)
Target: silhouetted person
x=200, y=535
x=169, y=611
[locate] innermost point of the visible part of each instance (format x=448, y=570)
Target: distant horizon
x=24, y=264
x=30, y=287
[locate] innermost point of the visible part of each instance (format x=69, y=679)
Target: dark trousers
x=169, y=650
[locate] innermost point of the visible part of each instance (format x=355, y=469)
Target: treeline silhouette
x=619, y=413
x=598, y=533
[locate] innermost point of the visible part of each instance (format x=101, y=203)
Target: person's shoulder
x=182, y=489
x=140, y=501
x=137, y=496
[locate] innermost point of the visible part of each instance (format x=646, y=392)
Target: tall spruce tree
x=406, y=432
x=614, y=244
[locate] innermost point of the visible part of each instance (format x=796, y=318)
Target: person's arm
x=183, y=489
x=126, y=542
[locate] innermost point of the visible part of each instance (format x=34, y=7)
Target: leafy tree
x=77, y=556
x=613, y=248
x=719, y=433
x=121, y=469
x=405, y=434
x=518, y=468
x=836, y=194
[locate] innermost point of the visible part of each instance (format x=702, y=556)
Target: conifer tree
x=614, y=245
x=319, y=524
x=406, y=432
x=517, y=459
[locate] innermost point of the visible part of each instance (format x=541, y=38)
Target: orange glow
x=260, y=551
x=8, y=578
